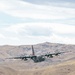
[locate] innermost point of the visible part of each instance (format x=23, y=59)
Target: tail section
x=33, y=50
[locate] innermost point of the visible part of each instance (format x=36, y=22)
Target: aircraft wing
x=23, y=57
x=57, y=53
x=52, y=54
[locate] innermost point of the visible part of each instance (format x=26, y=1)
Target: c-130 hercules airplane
x=36, y=58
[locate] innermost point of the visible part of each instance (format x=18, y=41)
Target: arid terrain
x=64, y=64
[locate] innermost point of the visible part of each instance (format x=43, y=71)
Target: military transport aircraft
x=36, y=58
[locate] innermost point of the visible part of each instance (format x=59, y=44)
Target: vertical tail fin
x=33, y=50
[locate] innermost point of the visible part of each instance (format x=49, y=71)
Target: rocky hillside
x=64, y=64
x=8, y=51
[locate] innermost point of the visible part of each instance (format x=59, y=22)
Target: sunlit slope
x=7, y=71
x=66, y=68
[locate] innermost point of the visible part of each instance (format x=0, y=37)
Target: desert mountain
x=42, y=48
x=64, y=64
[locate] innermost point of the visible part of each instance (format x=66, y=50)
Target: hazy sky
x=35, y=21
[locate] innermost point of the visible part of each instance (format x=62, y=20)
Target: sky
x=24, y=22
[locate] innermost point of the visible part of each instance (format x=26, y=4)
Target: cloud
x=35, y=29
x=41, y=28
x=63, y=28
x=59, y=3
x=33, y=33
x=2, y=36
x=61, y=39
x=27, y=10
x=48, y=22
